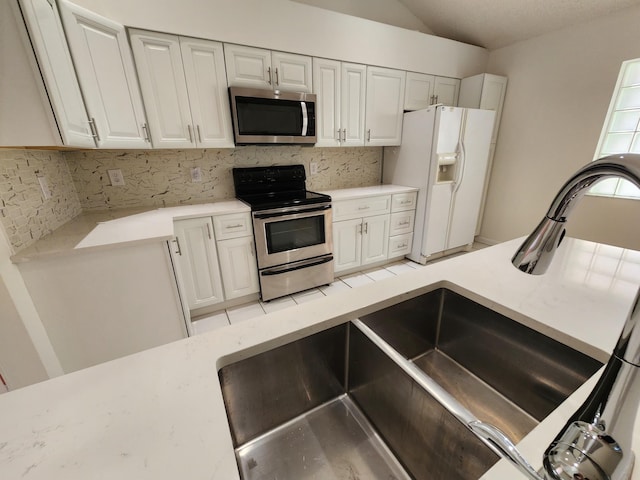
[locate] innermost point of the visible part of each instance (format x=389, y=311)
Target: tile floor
x=257, y=308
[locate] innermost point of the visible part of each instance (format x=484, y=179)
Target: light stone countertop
x=159, y=414
x=114, y=228
x=362, y=192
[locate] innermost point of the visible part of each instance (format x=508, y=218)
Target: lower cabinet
x=215, y=264
x=372, y=229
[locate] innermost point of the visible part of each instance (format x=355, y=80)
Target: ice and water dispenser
x=446, y=167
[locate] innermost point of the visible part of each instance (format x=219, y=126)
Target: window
x=621, y=131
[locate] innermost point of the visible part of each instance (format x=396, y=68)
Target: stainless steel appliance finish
x=291, y=234
x=436, y=431
x=272, y=117
x=596, y=441
x=331, y=442
x=292, y=228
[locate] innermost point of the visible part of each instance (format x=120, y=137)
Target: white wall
x=391, y=12
x=560, y=86
x=293, y=27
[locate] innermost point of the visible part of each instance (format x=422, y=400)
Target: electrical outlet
x=116, y=177
x=313, y=168
x=44, y=186
x=196, y=174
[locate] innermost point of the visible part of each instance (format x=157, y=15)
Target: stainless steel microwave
x=271, y=116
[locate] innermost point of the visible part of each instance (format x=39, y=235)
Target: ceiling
x=488, y=23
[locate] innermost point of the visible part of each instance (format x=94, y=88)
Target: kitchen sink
x=334, y=405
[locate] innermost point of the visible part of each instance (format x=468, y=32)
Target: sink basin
x=334, y=405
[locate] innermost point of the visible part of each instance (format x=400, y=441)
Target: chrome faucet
x=595, y=444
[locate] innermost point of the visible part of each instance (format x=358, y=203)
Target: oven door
x=292, y=234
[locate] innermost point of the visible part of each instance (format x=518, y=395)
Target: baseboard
x=487, y=241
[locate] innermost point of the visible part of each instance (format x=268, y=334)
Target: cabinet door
x=352, y=105
x=208, y=98
x=198, y=262
x=238, y=267
x=54, y=61
x=248, y=66
x=159, y=63
x=419, y=91
x=385, y=102
x=347, y=244
x=292, y=72
x=445, y=91
x=375, y=239
x=494, y=89
x=107, y=76
x=326, y=86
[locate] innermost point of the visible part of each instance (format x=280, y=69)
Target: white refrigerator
x=444, y=153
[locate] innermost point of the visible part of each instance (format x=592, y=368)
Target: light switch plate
x=196, y=174
x=44, y=186
x=313, y=168
x=116, y=177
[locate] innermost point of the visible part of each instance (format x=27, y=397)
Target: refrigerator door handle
x=462, y=160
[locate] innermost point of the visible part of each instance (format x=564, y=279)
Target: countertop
x=113, y=228
x=361, y=192
x=121, y=227
x=159, y=414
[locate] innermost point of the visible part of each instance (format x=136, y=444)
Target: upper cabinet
x=353, y=103
x=445, y=91
x=384, y=107
x=107, y=77
x=418, y=91
x=184, y=89
x=424, y=90
x=54, y=60
x=485, y=91
x=259, y=68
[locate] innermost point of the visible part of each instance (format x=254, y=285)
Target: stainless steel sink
x=335, y=406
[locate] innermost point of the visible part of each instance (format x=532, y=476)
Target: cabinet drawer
x=402, y=222
x=403, y=201
x=361, y=207
x=400, y=245
x=233, y=225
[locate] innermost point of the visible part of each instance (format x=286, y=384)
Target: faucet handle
x=582, y=452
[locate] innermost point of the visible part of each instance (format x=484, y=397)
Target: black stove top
x=274, y=187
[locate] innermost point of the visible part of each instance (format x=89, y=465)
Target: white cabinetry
x=198, y=268
x=418, y=91
x=236, y=251
x=384, y=107
x=360, y=231
x=372, y=229
x=215, y=259
x=54, y=60
x=259, y=68
x=184, y=88
x=107, y=77
x=445, y=91
x=487, y=92
x=340, y=108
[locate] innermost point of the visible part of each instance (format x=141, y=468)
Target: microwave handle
x=305, y=118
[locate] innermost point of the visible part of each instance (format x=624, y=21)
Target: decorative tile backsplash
x=79, y=180
x=25, y=214
x=163, y=177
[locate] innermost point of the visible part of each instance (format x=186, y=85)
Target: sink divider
x=490, y=435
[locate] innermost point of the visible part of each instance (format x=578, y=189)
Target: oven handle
x=290, y=212
x=301, y=265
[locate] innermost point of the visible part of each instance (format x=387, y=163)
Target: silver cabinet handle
x=237, y=225
x=277, y=77
x=364, y=207
x=339, y=135
x=369, y=135
x=145, y=130
x=190, y=133
x=179, y=252
x=209, y=231
x=269, y=73
x=402, y=224
x=359, y=229
x=344, y=134
x=366, y=227
x=199, y=134
x=94, y=129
